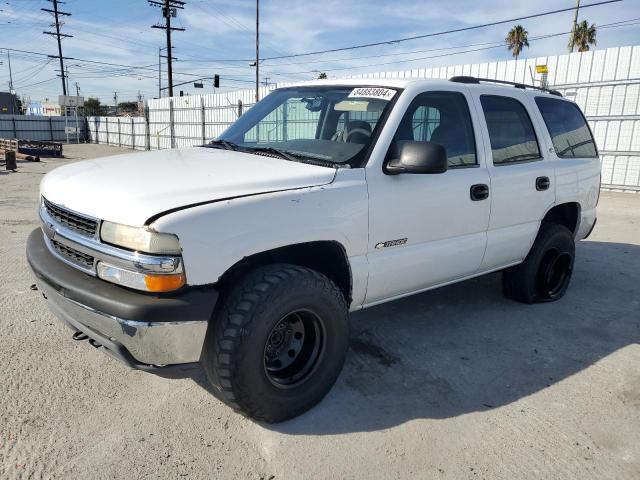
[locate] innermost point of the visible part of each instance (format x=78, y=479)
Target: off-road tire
x=234, y=352
x=526, y=282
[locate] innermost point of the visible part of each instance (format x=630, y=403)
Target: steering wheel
x=357, y=130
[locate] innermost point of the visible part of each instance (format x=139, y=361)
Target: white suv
x=246, y=255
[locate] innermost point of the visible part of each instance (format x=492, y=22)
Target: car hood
x=132, y=188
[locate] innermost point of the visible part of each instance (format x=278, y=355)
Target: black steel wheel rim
x=554, y=273
x=293, y=348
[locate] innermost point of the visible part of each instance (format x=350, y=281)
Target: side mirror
x=417, y=157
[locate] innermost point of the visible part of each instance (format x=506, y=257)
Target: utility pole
x=159, y=72
x=160, y=57
x=77, y=89
x=11, y=92
x=10, y=75
x=573, y=28
x=257, y=61
x=14, y=104
x=56, y=14
x=169, y=9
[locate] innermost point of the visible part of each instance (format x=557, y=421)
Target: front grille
x=73, y=221
x=73, y=255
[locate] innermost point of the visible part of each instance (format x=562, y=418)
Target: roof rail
x=466, y=79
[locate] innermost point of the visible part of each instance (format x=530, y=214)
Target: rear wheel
x=545, y=274
x=277, y=345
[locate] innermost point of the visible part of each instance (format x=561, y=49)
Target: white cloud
x=119, y=31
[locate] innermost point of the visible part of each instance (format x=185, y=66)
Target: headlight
x=140, y=281
x=139, y=239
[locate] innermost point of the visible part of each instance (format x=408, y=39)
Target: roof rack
x=466, y=79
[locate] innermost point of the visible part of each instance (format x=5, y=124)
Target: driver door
x=427, y=229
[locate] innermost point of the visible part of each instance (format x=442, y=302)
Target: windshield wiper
x=281, y=153
x=222, y=143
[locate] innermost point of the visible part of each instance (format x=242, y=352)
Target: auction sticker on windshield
x=372, y=92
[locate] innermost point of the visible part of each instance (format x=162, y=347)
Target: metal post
x=239, y=108
x=66, y=122
x=159, y=72
x=147, y=130
x=284, y=122
x=257, y=50
x=169, y=52
x=13, y=121
x=95, y=128
x=172, y=133
x=119, y=138
x=203, y=119
x=106, y=126
x=77, y=126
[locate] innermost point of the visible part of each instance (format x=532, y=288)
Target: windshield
x=328, y=124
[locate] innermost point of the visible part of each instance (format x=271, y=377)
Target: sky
x=219, y=38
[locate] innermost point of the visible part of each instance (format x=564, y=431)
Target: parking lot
x=453, y=383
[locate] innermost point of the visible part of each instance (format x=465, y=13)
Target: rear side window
x=568, y=129
x=443, y=118
x=510, y=130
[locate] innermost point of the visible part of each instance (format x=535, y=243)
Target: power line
x=486, y=46
x=445, y=32
x=621, y=23
x=169, y=9
x=56, y=14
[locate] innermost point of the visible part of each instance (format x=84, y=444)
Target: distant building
x=45, y=109
x=9, y=104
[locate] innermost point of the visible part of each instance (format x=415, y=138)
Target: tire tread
x=239, y=310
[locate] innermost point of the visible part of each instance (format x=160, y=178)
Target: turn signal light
x=139, y=280
x=164, y=283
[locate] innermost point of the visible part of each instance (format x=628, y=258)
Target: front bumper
x=140, y=329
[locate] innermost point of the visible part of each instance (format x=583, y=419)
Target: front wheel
x=545, y=274
x=278, y=344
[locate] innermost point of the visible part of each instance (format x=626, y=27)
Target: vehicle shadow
x=464, y=348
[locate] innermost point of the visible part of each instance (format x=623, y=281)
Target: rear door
x=521, y=172
x=577, y=166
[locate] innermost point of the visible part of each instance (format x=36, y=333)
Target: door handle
x=542, y=183
x=479, y=192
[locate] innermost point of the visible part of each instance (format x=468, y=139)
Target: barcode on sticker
x=372, y=92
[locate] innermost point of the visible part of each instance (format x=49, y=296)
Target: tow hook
x=79, y=336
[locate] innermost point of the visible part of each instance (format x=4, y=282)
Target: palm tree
x=583, y=36
x=517, y=39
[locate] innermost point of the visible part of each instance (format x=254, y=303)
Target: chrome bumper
x=149, y=343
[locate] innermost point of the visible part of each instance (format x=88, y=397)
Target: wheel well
x=566, y=214
x=326, y=257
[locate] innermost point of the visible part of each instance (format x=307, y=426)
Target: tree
x=322, y=76
x=128, y=107
x=583, y=36
x=92, y=107
x=517, y=39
